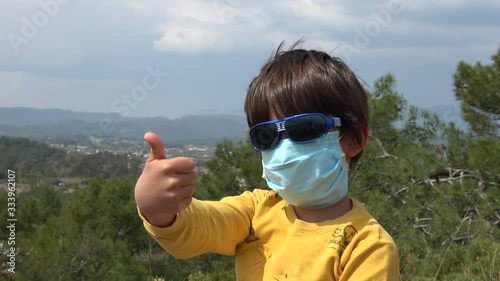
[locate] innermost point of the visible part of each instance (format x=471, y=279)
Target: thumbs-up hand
x=166, y=186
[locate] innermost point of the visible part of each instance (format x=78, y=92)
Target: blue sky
x=174, y=58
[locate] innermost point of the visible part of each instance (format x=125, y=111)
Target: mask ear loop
x=344, y=157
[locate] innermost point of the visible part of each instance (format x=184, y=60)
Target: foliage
x=478, y=88
x=433, y=187
x=234, y=169
x=25, y=155
x=90, y=235
x=37, y=163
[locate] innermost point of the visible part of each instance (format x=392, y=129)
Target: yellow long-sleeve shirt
x=271, y=243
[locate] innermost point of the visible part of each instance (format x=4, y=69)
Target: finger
x=177, y=182
x=187, y=191
x=187, y=179
x=180, y=165
x=185, y=202
x=157, y=147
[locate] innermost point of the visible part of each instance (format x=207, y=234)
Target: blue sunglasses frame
x=331, y=122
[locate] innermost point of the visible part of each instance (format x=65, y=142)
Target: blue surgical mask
x=311, y=175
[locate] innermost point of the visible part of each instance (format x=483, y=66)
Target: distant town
x=131, y=147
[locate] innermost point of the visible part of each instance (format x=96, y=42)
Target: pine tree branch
x=385, y=154
x=451, y=174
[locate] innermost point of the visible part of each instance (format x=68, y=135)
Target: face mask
x=308, y=175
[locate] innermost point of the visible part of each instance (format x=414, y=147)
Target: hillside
x=39, y=163
x=42, y=123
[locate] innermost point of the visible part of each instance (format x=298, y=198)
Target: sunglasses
x=302, y=128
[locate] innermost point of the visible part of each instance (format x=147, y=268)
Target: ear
x=356, y=146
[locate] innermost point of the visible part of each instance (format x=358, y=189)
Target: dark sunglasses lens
x=264, y=136
x=306, y=128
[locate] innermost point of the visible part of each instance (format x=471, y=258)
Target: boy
x=308, y=116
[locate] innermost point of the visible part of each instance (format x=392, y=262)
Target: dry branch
x=451, y=174
x=385, y=154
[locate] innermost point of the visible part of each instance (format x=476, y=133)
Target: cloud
x=200, y=26
x=92, y=51
x=81, y=35
x=223, y=26
x=197, y=26
x=92, y=28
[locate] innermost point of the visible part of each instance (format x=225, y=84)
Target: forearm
x=203, y=227
x=160, y=220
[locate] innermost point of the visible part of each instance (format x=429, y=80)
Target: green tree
x=477, y=87
x=432, y=186
x=96, y=235
x=235, y=167
x=37, y=206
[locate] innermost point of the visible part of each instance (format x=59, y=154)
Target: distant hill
x=209, y=128
x=33, y=159
x=40, y=123
x=21, y=116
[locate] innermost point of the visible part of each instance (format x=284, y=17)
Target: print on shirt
x=271, y=195
x=342, y=238
x=251, y=236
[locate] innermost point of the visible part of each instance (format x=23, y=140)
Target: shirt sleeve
x=207, y=226
x=373, y=257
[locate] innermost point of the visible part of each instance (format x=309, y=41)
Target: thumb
x=157, y=146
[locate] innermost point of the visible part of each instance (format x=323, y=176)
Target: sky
x=148, y=58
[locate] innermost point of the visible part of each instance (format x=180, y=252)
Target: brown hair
x=300, y=81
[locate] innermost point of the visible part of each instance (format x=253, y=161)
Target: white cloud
x=197, y=26
x=190, y=39
x=223, y=26
x=114, y=39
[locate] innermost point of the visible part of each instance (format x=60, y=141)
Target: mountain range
x=210, y=128
x=40, y=123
